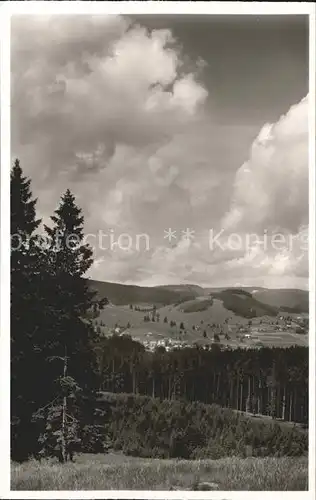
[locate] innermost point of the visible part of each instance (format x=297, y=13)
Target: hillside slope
x=120, y=294
x=245, y=302
x=296, y=301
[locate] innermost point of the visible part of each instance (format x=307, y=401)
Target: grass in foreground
x=113, y=471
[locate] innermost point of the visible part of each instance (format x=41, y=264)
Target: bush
x=93, y=439
x=146, y=427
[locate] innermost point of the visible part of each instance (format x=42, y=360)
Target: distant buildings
x=168, y=344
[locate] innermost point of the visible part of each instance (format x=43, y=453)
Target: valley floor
x=115, y=471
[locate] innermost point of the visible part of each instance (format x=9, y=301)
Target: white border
x=157, y=7
x=312, y=278
x=49, y=8
x=5, y=255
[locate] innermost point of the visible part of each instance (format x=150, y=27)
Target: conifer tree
x=25, y=303
x=70, y=334
x=76, y=305
x=23, y=212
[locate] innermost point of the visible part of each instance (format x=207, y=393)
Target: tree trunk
x=153, y=387
x=64, y=430
x=249, y=398
x=291, y=400
x=259, y=409
x=283, y=403
x=231, y=394
x=218, y=386
x=254, y=395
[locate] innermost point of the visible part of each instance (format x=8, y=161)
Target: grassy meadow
x=199, y=310
x=115, y=471
x=122, y=316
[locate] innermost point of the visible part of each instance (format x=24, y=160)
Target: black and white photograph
x=161, y=277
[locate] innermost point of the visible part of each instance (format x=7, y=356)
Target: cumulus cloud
x=268, y=216
x=80, y=88
x=120, y=115
x=271, y=194
x=271, y=187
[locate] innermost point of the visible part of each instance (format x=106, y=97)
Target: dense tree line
x=52, y=330
x=269, y=381
x=245, y=305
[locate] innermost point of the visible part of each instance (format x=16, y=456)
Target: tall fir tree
x=25, y=271
x=75, y=304
x=71, y=309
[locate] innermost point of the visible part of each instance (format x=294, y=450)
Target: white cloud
x=271, y=188
x=271, y=194
x=126, y=91
x=112, y=110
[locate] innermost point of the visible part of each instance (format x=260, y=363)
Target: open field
x=263, y=329
x=115, y=471
x=205, y=312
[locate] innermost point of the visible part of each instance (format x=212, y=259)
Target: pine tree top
x=69, y=252
x=23, y=214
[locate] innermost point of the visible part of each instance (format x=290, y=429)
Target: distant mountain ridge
x=264, y=300
x=120, y=294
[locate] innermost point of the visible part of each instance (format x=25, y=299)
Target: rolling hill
x=119, y=294
x=288, y=300
x=192, y=314
x=243, y=304
x=246, y=302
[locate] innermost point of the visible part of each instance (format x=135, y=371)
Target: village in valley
x=178, y=326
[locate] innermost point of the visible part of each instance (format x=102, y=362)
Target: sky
x=184, y=140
